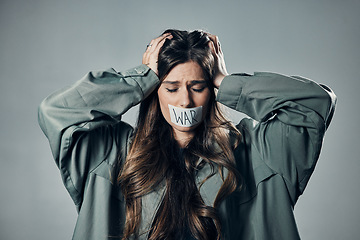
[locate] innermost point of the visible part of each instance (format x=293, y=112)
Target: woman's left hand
x=220, y=67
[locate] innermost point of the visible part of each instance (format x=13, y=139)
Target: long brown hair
x=153, y=157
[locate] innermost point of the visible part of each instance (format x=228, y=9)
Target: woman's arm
x=82, y=122
x=263, y=95
x=99, y=98
x=289, y=118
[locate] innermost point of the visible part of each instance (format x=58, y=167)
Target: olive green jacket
x=280, y=147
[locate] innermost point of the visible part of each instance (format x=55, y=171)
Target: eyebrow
x=193, y=82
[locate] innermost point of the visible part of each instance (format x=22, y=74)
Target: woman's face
x=184, y=97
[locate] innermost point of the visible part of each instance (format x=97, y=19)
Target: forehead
x=185, y=72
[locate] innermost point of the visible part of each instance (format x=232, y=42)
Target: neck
x=183, y=138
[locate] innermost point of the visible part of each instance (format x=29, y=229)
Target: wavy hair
x=153, y=157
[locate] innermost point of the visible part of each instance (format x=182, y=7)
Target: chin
x=184, y=129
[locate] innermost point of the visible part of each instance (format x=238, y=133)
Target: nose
x=185, y=99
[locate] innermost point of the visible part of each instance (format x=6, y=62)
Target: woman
x=186, y=172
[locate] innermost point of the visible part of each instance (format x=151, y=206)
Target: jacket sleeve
x=289, y=119
x=81, y=121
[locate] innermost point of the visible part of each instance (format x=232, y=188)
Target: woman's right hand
x=150, y=57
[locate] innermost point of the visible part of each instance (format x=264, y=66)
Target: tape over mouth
x=185, y=117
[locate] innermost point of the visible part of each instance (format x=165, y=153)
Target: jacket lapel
x=150, y=204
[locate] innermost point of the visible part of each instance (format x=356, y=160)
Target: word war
x=185, y=117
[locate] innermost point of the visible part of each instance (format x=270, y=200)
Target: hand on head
x=220, y=67
x=150, y=57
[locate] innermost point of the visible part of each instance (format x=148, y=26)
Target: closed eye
x=198, y=89
x=171, y=90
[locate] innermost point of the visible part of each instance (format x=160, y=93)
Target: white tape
x=185, y=117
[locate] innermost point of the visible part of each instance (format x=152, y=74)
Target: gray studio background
x=48, y=44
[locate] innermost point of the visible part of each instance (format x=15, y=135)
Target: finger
x=219, y=46
x=154, y=43
x=216, y=43
x=215, y=40
x=212, y=47
x=152, y=46
x=150, y=57
x=160, y=44
x=211, y=36
x=215, y=53
x=145, y=58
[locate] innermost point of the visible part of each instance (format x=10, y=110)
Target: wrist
x=218, y=80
